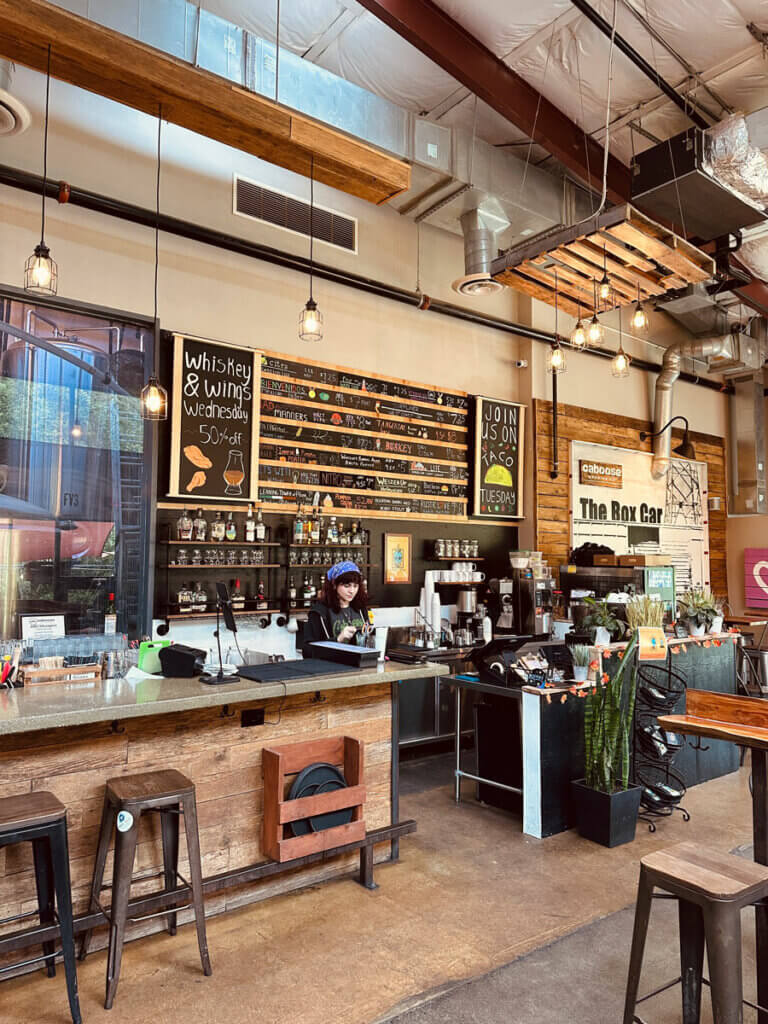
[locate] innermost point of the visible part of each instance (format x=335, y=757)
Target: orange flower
x=572, y=689
x=594, y=691
x=594, y=666
x=718, y=643
x=605, y=677
x=707, y=643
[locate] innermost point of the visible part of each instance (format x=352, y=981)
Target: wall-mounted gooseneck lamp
x=685, y=448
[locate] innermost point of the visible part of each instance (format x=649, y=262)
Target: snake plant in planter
x=607, y=805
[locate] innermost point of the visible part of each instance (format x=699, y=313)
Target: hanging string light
x=640, y=320
x=154, y=397
x=620, y=362
x=556, y=355
x=311, y=319
x=41, y=275
x=595, y=332
x=579, y=333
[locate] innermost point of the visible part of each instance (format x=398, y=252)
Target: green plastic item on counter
x=149, y=655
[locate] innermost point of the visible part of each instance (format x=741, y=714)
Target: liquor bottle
x=236, y=597
x=356, y=538
x=332, y=533
x=184, y=526
x=261, y=596
x=343, y=533
x=298, y=529
x=200, y=526
x=307, y=538
x=199, y=599
x=312, y=588
x=110, y=615
x=306, y=592
x=292, y=592
x=250, y=526
x=218, y=528
x=231, y=529
x=316, y=525
x=184, y=598
x=261, y=529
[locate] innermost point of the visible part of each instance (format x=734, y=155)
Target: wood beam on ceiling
x=435, y=34
x=127, y=71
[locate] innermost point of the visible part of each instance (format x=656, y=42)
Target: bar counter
x=70, y=738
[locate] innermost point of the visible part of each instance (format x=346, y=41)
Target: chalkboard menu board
x=352, y=442
x=498, y=468
x=215, y=420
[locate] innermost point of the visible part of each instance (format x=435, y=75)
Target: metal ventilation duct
x=747, y=463
x=14, y=116
x=479, y=250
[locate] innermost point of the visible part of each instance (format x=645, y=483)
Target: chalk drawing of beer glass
x=234, y=474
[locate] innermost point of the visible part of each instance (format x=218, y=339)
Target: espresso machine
x=522, y=604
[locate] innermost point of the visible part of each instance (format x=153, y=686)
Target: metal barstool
x=39, y=818
x=711, y=890
x=170, y=794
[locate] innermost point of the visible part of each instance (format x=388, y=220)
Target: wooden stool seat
x=711, y=890
x=29, y=809
x=171, y=795
x=717, y=876
x=149, y=786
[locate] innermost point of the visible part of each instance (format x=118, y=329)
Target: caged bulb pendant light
x=41, y=275
x=154, y=397
x=311, y=319
x=579, y=333
x=556, y=356
x=604, y=288
x=595, y=332
x=620, y=362
x=640, y=320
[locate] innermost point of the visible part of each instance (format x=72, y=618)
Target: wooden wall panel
x=222, y=759
x=552, y=512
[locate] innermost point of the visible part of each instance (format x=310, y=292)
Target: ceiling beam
x=127, y=71
x=452, y=48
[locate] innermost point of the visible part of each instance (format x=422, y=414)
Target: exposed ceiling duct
x=479, y=250
x=14, y=116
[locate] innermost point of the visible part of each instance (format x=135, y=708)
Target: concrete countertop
x=53, y=705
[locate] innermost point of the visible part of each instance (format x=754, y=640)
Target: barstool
x=170, y=794
x=40, y=819
x=711, y=889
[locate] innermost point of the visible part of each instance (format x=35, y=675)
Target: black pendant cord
x=311, y=223
x=45, y=144
x=157, y=210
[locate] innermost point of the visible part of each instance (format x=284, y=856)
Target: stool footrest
x=46, y=958
x=23, y=917
x=658, y=991
x=161, y=913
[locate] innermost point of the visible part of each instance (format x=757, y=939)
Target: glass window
x=73, y=473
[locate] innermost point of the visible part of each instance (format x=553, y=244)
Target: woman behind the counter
x=341, y=612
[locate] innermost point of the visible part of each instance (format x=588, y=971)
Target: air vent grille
x=286, y=211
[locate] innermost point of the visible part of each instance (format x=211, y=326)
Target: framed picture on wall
x=397, y=557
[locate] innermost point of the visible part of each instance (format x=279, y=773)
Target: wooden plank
x=97, y=59
x=570, y=286
x=336, y=800
x=634, y=259
x=537, y=291
x=649, y=285
x=290, y=443
x=353, y=490
x=290, y=401
x=357, y=391
x=670, y=258
x=691, y=252
x=364, y=472
x=346, y=430
x=301, y=846
x=570, y=259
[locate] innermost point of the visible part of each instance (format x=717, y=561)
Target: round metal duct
x=14, y=116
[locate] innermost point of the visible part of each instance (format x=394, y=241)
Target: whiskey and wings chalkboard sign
x=498, y=467
x=215, y=419
x=288, y=432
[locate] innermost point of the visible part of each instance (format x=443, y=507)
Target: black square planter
x=606, y=818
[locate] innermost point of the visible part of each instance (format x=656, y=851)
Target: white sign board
x=641, y=515
x=42, y=627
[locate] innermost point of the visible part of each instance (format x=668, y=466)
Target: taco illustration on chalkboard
x=498, y=475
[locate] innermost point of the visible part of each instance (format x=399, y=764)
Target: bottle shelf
x=320, y=545
x=242, y=565
x=227, y=543
x=305, y=566
x=212, y=615
x=446, y=558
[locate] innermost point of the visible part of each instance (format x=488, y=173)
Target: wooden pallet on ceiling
x=642, y=260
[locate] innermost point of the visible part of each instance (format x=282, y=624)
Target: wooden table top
x=744, y=735
x=722, y=716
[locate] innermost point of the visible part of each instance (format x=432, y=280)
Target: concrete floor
x=470, y=895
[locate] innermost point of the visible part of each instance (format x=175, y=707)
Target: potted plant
x=606, y=804
x=717, y=622
x=602, y=620
x=581, y=659
x=697, y=606
x=644, y=610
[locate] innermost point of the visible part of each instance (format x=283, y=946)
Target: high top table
x=742, y=720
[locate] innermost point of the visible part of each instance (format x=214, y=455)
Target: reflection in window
x=73, y=514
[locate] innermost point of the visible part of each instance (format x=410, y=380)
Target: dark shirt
x=323, y=623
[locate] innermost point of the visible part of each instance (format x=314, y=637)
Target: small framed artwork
x=397, y=557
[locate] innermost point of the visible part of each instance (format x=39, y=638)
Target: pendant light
x=154, y=397
x=311, y=319
x=595, y=332
x=620, y=362
x=41, y=275
x=605, y=282
x=556, y=355
x=76, y=431
x=640, y=320
x=579, y=333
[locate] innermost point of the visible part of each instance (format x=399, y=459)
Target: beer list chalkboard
x=498, y=468
x=214, y=430
x=354, y=442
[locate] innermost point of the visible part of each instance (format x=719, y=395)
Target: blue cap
x=341, y=568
